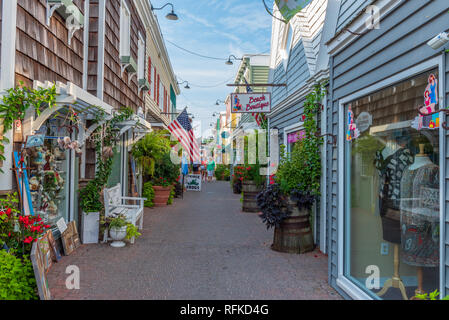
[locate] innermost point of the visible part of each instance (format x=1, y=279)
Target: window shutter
x=149, y=75
x=155, y=84
x=158, y=91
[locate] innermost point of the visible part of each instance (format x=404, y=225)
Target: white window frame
x=342, y=281
x=141, y=58
x=125, y=30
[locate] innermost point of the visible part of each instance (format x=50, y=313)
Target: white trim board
x=344, y=283
x=7, y=80
x=358, y=25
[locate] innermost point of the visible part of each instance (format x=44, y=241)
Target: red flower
x=8, y=212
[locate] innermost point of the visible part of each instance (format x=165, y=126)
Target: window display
x=48, y=174
x=294, y=137
x=392, y=203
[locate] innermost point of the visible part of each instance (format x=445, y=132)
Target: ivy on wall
x=301, y=169
x=16, y=102
x=106, y=138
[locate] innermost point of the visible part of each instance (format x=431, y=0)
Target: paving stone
x=201, y=247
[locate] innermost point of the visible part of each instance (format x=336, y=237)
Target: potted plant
x=162, y=189
x=252, y=184
x=120, y=229
x=166, y=173
x=91, y=207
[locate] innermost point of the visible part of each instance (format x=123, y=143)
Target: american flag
x=256, y=115
x=183, y=131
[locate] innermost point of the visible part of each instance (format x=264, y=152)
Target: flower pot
x=250, y=190
x=294, y=235
x=90, y=227
x=161, y=195
x=118, y=234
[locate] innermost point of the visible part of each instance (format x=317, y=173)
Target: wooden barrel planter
x=250, y=191
x=161, y=195
x=294, y=235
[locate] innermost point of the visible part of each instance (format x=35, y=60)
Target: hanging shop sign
x=364, y=121
x=289, y=8
x=430, y=121
x=18, y=134
x=250, y=102
x=193, y=182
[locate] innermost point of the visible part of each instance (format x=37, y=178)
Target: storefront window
x=392, y=202
x=114, y=178
x=49, y=175
x=293, y=138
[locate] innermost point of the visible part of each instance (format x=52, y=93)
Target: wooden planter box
x=294, y=235
x=250, y=191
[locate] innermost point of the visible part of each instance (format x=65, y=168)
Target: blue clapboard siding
x=288, y=117
x=399, y=44
x=296, y=74
x=348, y=10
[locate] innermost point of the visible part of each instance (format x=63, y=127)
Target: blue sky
x=216, y=28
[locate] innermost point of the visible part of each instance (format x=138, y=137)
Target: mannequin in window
x=390, y=163
x=420, y=215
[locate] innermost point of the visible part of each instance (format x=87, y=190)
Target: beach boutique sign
x=250, y=102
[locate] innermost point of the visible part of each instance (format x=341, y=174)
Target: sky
x=216, y=28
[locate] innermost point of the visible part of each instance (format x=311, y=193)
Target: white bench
x=114, y=204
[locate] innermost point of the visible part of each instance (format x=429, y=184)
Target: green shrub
x=222, y=172
x=17, y=280
x=148, y=192
x=172, y=196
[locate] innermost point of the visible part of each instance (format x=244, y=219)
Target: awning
x=73, y=96
x=84, y=103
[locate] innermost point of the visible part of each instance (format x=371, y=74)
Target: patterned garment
x=420, y=217
x=390, y=172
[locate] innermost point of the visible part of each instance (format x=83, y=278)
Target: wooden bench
x=114, y=204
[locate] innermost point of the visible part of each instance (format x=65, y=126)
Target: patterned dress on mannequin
x=390, y=171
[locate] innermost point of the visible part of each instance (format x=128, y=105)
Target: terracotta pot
x=161, y=195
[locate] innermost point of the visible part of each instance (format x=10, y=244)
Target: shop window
x=114, y=178
x=50, y=174
x=392, y=190
x=293, y=138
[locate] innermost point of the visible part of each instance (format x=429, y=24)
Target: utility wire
x=194, y=53
x=212, y=86
x=209, y=57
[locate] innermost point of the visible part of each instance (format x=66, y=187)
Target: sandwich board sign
x=193, y=182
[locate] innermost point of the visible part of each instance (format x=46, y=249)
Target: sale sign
x=250, y=102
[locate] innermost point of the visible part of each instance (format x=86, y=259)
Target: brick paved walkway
x=202, y=247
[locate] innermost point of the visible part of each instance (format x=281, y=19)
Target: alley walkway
x=202, y=247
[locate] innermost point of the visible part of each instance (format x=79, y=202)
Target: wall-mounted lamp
x=187, y=84
x=229, y=62
x=170, y=16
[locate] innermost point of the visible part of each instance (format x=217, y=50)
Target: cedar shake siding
x=93, y=48
x=43, y=52
x=117, y=92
